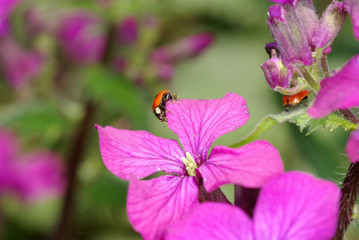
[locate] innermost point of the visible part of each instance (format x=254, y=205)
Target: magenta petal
x=199, y=122
x=155, y=204
x=39, y=175
x=251, y=165
x=352, y=147
x=352, y=7
x=8, y=147
x=218, y=221
x=339, y=91
x=297, y=206
x=129, y=154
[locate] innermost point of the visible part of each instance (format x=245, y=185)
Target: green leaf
x=116, y=93
x=301, y=119
x=38, y=118
x=304, y=121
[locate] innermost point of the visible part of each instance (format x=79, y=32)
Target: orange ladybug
x=159, y=104
x=293, y=100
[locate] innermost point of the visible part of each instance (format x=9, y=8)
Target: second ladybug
x=293, y=100
x=159, y=104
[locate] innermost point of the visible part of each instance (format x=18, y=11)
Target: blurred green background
x=46, y=115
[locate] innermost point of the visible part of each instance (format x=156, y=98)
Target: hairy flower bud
x=276, y=73
x=290, y=38
x=330, y=24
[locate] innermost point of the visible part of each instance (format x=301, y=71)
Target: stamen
x=190, y=164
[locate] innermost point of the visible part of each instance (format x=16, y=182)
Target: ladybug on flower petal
x=159, y=104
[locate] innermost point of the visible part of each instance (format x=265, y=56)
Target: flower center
x=190, y=164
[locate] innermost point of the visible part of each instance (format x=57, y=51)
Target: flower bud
x=287, y=33
x=276, y=73
x=330, y=24
x=82, y=37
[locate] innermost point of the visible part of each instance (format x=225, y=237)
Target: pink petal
x=198, y=123
x=209, y=220
x=352, y=6
x=339, y=91
x=155, y=204
x=40, y=174
x=297, y=206
x=129, y=154
x=6, y=7
x=251, y=165
x=352, y=147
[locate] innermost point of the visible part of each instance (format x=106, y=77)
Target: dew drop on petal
x=245, y=106
x=187, y=110
x=181, y=117
x=159, y=169
x=245, y=111
x=204, y=179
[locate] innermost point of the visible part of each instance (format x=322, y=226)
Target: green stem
x=310, y=80
x=267, y=123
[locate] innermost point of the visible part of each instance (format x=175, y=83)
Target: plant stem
x=308, y=77
x=348, y=115
x=266, y=123
x=350, y=190
x=325, y=67
x=75, y=157
x=246, y=198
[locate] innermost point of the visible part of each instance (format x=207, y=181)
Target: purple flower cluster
x=301, y=37
x=171, y=205
x=31, y=176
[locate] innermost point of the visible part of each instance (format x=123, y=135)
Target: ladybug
x=159, y=104
x=293, y=100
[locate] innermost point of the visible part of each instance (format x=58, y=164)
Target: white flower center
x=191, y=165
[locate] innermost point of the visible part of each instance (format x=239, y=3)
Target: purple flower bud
x=82, y=37
x=307, y=18
x=330, y=24
x=127, y=31
x=276, y=73
x=183, y=49
x=269, y=47
x=17, y=64
x=290, y=38
x=352, y=7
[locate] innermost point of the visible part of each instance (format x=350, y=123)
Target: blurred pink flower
x=19, y=65
x=82, y=37
x=292, y=206
x=6, y=7
x=127, y=31
x=339, y=91
x=164, y=58
x=32, y=176
x=152, y=205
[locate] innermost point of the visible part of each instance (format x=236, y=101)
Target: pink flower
x=32, y=176
x=82, y=37
x=339, y=91
x=293, y=206
x=352, y=7
x=18, y=64
x=154, y=204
